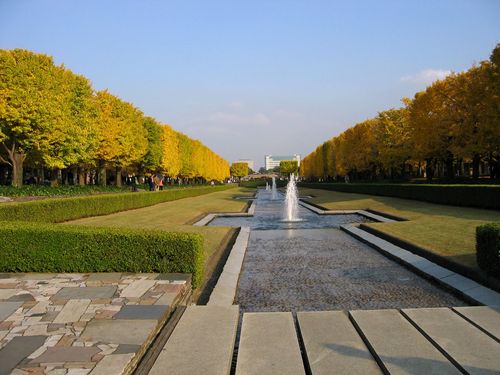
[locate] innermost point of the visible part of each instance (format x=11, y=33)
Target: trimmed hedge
x=34, y=247
x=488, y=248
x=64, y=209
x=456, y=195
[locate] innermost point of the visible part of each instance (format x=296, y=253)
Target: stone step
x=398, y=347
x=332, y=344
x=269, y=345
x=203, y=340
x=486, y=317
x=466, y=345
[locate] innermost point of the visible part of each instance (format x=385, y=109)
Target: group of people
x=155, y=182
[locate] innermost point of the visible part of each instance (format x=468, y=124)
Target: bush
x=34, y=247
x=488, y=248
x=456, y=195
x=64, y=209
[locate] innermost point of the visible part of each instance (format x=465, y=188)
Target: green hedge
x=488, y=248
x=34, y=247
x=64, y=209
x=456, y=195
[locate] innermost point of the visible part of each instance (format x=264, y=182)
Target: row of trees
x=51, y=118
x=450, y=129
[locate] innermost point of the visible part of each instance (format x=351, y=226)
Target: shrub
x=64, y=209
x=456, y=195
x=35, y=247
x=488, y=248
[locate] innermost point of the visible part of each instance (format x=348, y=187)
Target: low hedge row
x=488, y=248
x=64, y=209
x=35, y=247
x=456, y=195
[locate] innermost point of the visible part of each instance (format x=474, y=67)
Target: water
x=291, y=207
x=274, y=192
x=311, y=265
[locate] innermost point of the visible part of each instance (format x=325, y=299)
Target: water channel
x=312, y=265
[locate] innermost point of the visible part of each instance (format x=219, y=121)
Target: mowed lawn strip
x=446, y=230
x=178, y=216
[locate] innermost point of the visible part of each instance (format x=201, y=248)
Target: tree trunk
x=476, y=160
x=118, y=176
x=16, y=162
x=429, y=170
x=450, y=173
x=54, y=177
x=101, y=179
x=81, y=176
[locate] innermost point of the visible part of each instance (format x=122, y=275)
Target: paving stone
x=142, y=312
x=471, y=348
x=16, y=350
x=8, y=308
x=112, y=364
x=439, y=272
x=167, y=299
x=399, y=346
x=91, y=292
x=61, y=354
x=488, y=318
x=331, y=342
x=105, y=277
x=269, y=345
x=137, y=288
x=126, y=348
x=203, y=339
x=22, y=297
x=72, y=311
x=119, y=331
x=174, y=276
x=7, y=293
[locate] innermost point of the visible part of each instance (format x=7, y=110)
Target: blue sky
x=250, y=78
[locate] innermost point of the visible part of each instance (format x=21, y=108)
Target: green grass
x=445, y=230
x=178, y=216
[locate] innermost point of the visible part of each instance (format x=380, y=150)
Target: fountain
x=291, y=208
x=267, y=186
x=274, y=193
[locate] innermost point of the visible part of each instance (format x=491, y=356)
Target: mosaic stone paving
x=78, y=324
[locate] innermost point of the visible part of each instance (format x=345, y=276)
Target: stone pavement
x=391, y=341
x=78, y=324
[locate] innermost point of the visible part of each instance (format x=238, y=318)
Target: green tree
x=288, y=167
x=239, y=169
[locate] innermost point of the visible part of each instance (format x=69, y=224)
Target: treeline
x=53, y=123
x=452, y=129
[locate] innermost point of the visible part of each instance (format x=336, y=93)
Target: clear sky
x=250, y=78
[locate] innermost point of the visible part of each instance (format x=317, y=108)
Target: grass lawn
x=445, y=230
x=179, y=215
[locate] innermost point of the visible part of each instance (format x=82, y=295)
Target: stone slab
x=398, y=346
x=167, y=298
x=113, y=364
x=126, y=348
x=331, y=342
x=488, y=318
x=105, y=277
x=59, y=354
x=459, y=282
x=484, y=296
x=174, y=277
x=148, y=312
x=225, y=289
x=8, y=308
x=72, y=311
x=202, y=342
x=119, y=331
x=269, y=345
x=16, y=350
x=471, y=348
x=90, y=292
x=137, y=288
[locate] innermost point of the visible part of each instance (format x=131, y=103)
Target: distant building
x=248, y=161
x=272, y=161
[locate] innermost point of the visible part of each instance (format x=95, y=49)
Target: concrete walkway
x=408, y=341
x=78, y=324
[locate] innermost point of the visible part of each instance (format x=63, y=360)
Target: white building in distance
x=248, y=161
x=272, y=161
